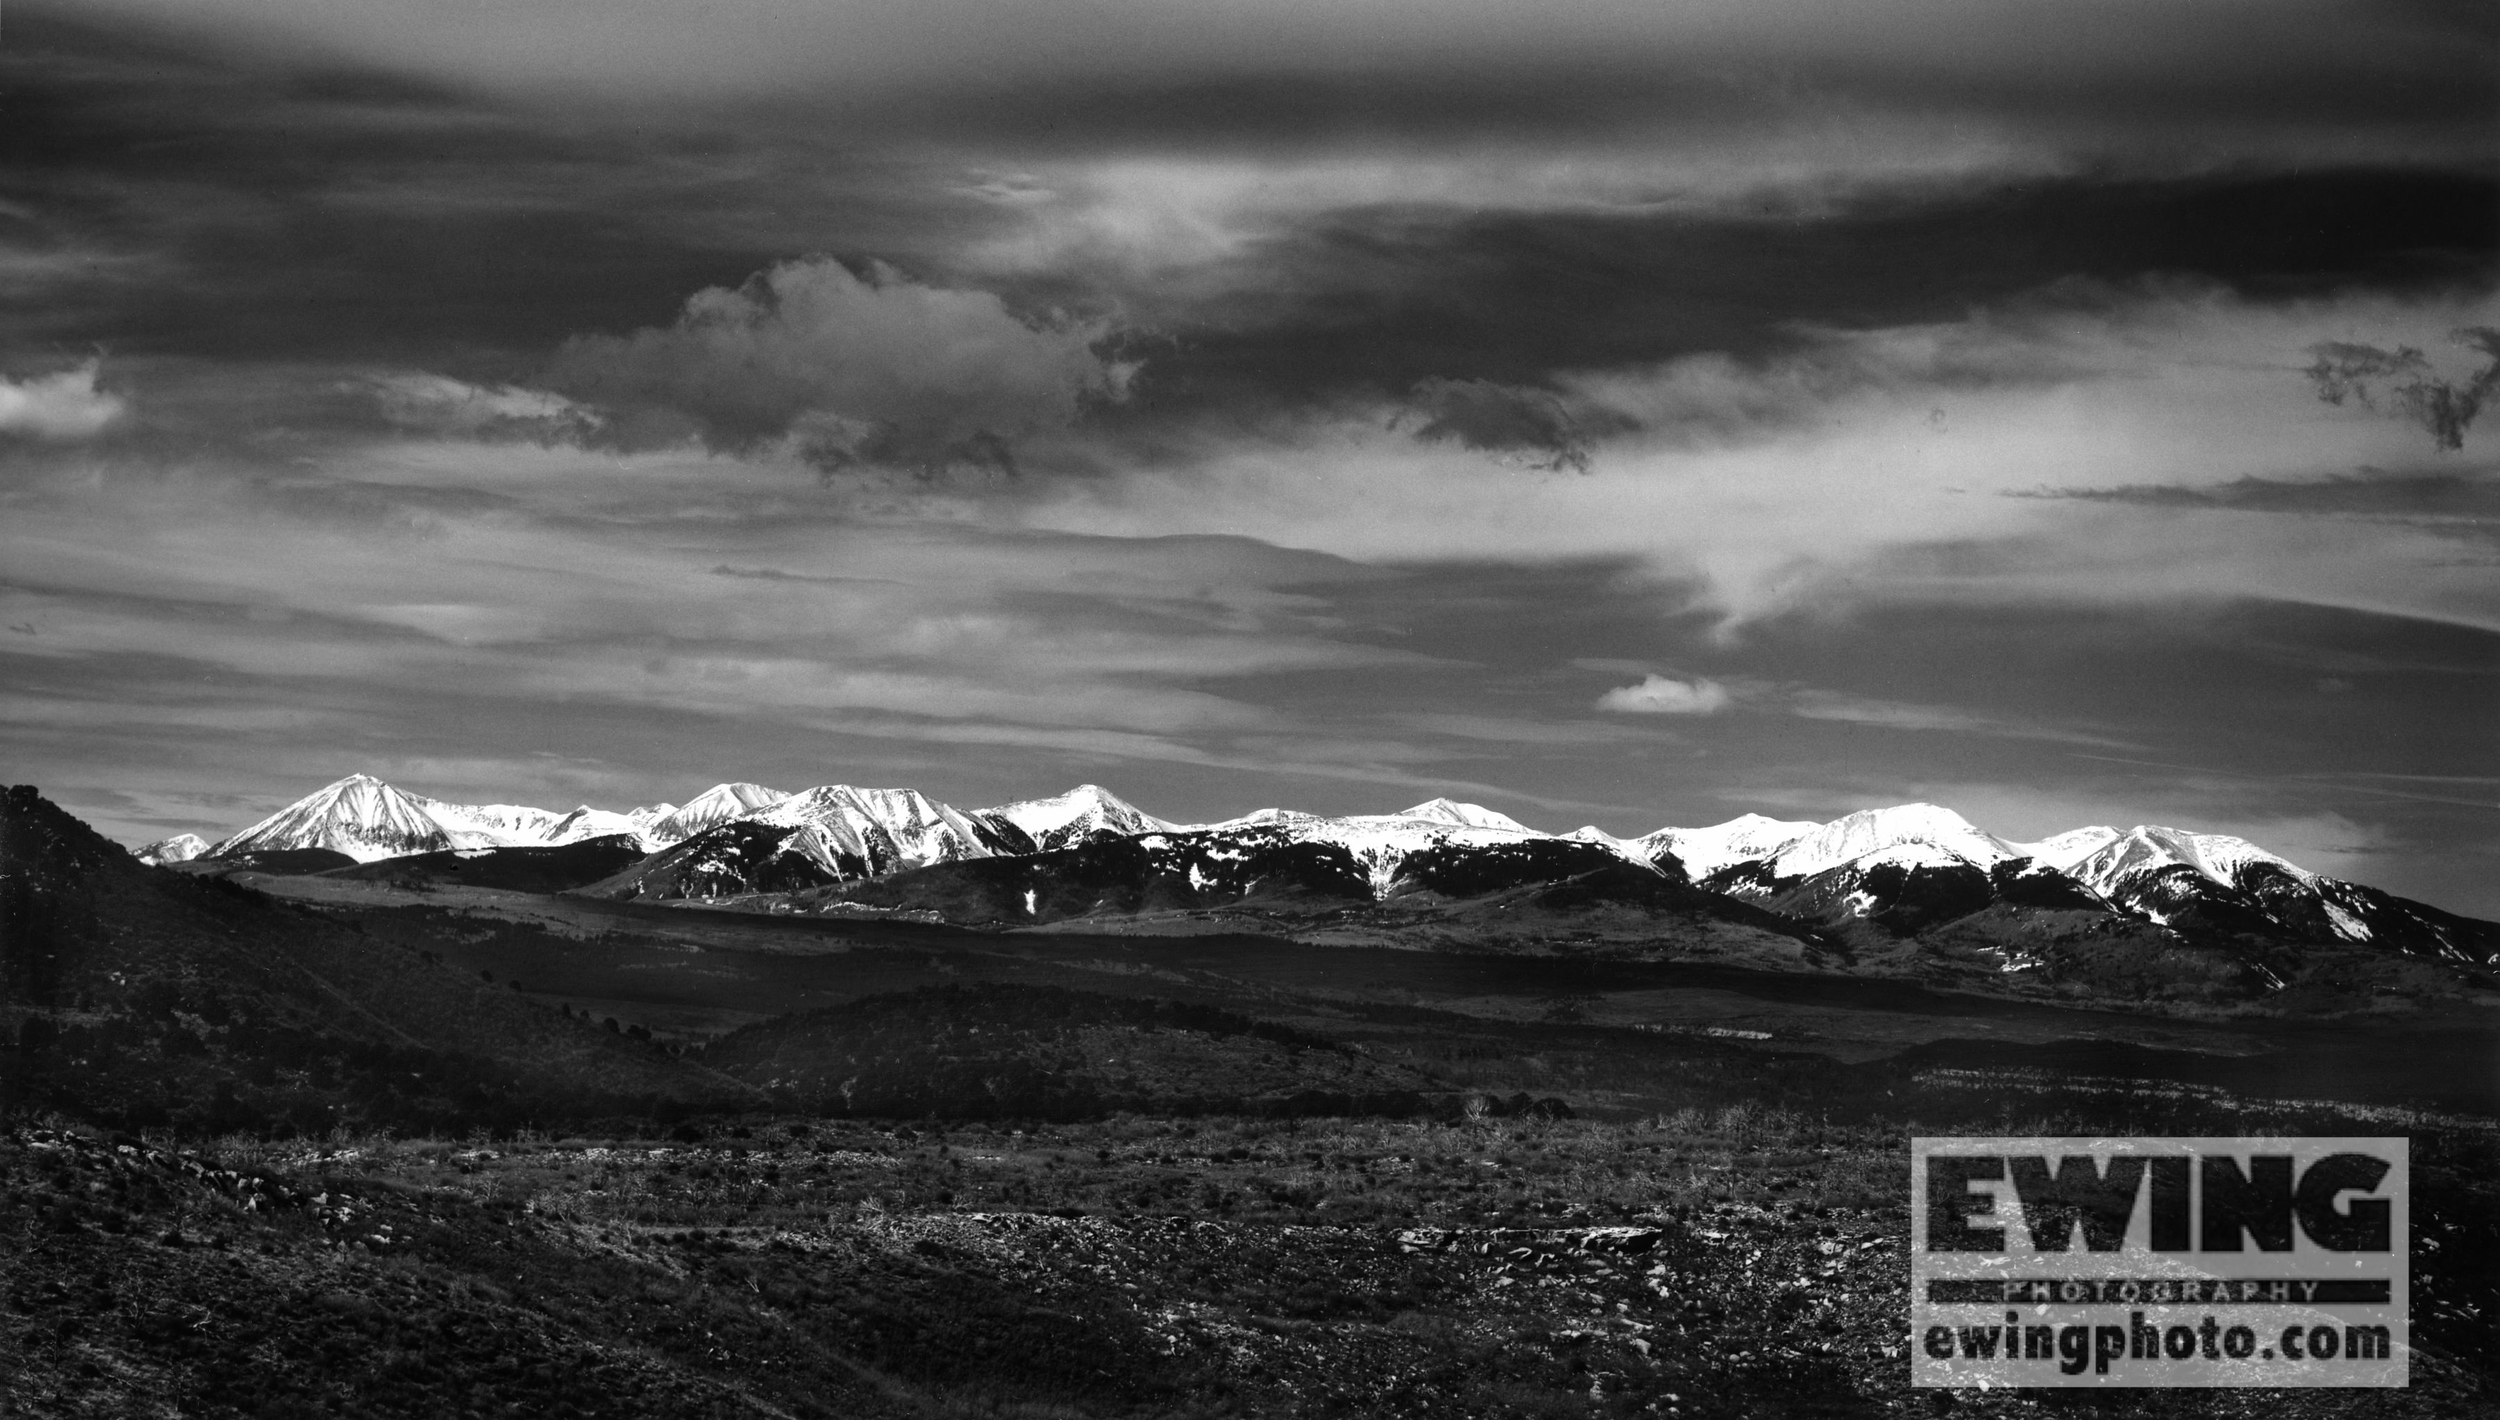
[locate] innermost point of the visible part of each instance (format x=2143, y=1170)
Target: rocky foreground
x=1728, y=1263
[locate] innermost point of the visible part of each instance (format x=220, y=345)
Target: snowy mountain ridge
x=1381, y=843
x=882, y=830
x=740, y=838
x=2101, y=855
x=366, y=819
x=714, y=806
x=1942, y=833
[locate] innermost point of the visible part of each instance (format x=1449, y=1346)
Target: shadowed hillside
x=1117, y=876
x=983, y=1052
x=151, y=997
x=557, y=869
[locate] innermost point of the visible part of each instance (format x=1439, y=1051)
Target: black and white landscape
x=1789, y=575
x=846, y=1100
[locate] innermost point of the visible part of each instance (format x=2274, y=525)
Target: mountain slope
x=1906, y=867
x=1154, y=872
x=1903, y=870
x=146, y=995
x=1704, y=851
x=369, y=820
x=2147, y=911
x=832, y=834
x=359, y=816
x=1081, y=815
x=739, y=858
x=586, y=823
x=1451, y=811
x=554, y=868
x=1051, y=1053
x=711, y=808
x=1382, y=843
x=872, y=832
x=1949, y=836
x=181, y=848
x=1293, y=877
x=491, y=825
x=1898, y=873
x=2216, y=883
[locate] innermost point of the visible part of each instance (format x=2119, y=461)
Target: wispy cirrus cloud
x=1942, y=719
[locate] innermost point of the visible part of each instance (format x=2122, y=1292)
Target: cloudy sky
x=1630, y=413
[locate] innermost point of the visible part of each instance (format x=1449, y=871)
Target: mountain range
x=1088, y=855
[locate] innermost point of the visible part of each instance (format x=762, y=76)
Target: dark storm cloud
x=2404, y=383
x=2465, y=506
x=775, y=574
x=846, y=368
x=1497, y=418
x=199, y=198
x=179, y=196
x=2234, y=83
x=1105, y=70
x=190, y=193
x=1387, y=298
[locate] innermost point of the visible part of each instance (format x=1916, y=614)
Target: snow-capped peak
x=855, y=832
x=1256, y=818
x=2062, y=851
x=586, y=822
x=885, y=830
x=714, y=806
x=2101, y=858
x=1742, y=839
x=1847, y=839
x=359, y=816
x=366, y=819
x=490, y=825
x=1381, y=842
x=1464, y=815
x=1085, y=812
x=181, y=848
x=893, y=808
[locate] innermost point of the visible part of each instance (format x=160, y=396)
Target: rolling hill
x=150, y=995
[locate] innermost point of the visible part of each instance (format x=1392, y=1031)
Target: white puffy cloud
x=65, y=406
x=843, y=369
x=1665, y=695
x=438, y=403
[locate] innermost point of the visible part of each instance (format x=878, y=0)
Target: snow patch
x=1949, y=837
x=1743, y=839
